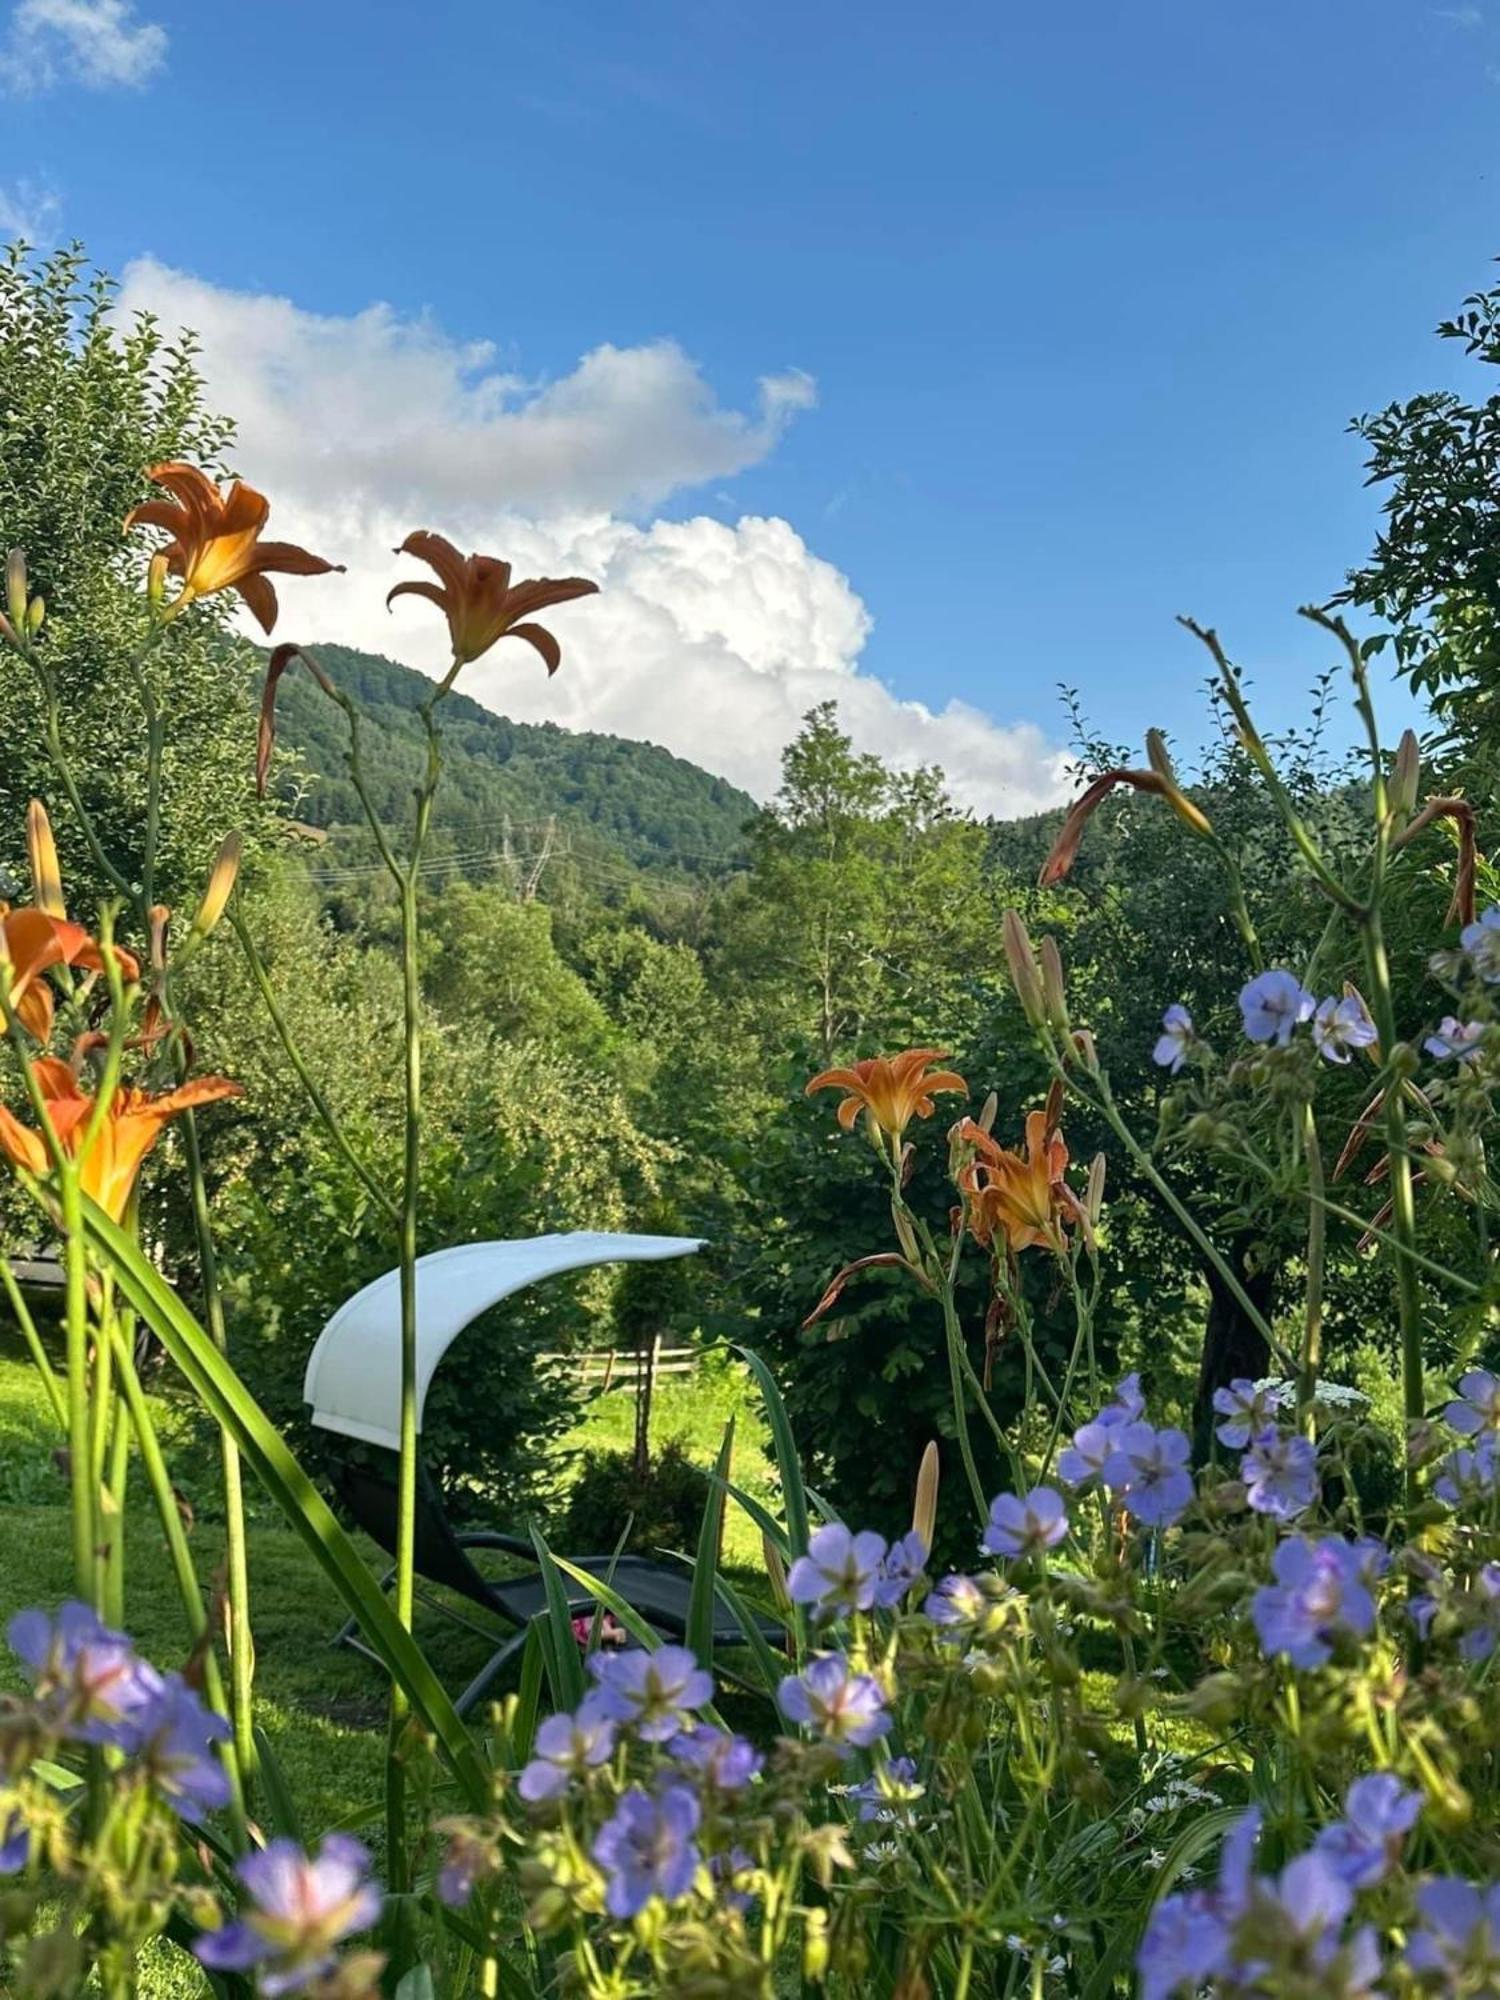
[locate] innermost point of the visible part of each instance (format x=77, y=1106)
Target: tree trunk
x=1232, y=1345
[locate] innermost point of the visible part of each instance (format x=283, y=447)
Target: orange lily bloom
x=129, y=1130
x=476, y=596
x=216, y=542
x=34, y=941
x=893, y=1089
x=1025, y=1195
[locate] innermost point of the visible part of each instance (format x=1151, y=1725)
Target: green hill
x=509, y=788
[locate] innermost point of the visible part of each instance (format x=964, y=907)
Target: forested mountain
x=503, y=781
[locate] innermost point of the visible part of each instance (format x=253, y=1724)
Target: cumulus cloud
x=99, y=44
x=709, y=638
x=29, y=210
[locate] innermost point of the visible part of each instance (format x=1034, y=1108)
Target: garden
x=998, y=1491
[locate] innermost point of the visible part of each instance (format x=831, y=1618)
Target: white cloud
x=97, y=43
x=29, y=210
x=708, y=638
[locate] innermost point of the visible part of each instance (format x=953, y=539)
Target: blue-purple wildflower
x=1478, y=1407
x=652, y=1693
x=1025, y=1527
x=893, y=1787
x=1273, y=1004
x=1365, y=1845
x=1175, y=1040
x=15, y=1843
x=1340, y=1026
x=1481, y=940
x=1321, y=1593
x=568, y=1747
x=1248, y=1408
x=1470, y=1475
x=175, y=1739
x=1455, y=1039
x=845, y=1708
x=298, y=1910
x=1460, y=1935
x=902, y=1570
x=648, y=1849
x=727, y=1763
x=90, y=1683
x=1280, y=1471
x=840, y=1572
x=1148, y=1472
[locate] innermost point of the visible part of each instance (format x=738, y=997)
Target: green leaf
x=784, y=1444
x=700, y=1619
x=772, y=1669
x=564, y=1662
x=282, y=1807
x=416, y=1985
x=226, y=1398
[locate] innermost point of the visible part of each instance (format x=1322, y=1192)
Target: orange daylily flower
x=476, y=596
x=893, y=1089
x=216, y=542
x=1025, y=1195
x=129, y=1130
x=34, y=941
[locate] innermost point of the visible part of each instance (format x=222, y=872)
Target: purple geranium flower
x=1248, y=1408
x=647, y=1849
x=844, y=1708
x=1083, y=1461
x=1460, y=1934
x=1189, y=1936
x=1455, y=1038
x=726, y=1762
x=1341, y=1026
x=467, y=1860
x=1481, y=941
x=1129, y=1405
x=651, y=1692
x=1469, y=1476
x=893, y=1786
x=1025, y=1527
x=1176, y=1038
x=1365, y=1845
x=1280, y=1471
x=1319, y=1593
x=1483, y=1604
x=567, y=1746
x=90, y=1683
x=1148, y=1471
x=1272, y=1004
x=175, y=1738
x=15, y=1844
x=299, y=1910
x=1479, y=1409
x=901, y=1571
x=839, y=1573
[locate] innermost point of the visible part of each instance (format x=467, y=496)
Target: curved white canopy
x=353, y=1378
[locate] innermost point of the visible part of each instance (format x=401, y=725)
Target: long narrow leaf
x=227, y=1399
x=771, y=1668
x=784, y=1444
x=565, y=1663
x=283, y=1807
x=700, y=1619
x=529, y=1700
x=763, y=1518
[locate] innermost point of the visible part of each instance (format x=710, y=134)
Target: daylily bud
x=1086, y=1050
x=36, y=613
x=1054, y=989
x=776, y=1571
x=1024, y=974
x=221, y=882
x=815, y=1946
x=41, y=852
x=986, y=1119
x=1406, y=773
x=924, y=1508
x=15, y=587
x=1157, y=757
x=156, y=579
x=1093, y=1200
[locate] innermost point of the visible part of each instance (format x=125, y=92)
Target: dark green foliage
x=664, y=1510
x=613, y=802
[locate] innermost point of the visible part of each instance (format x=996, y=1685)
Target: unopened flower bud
x=1406, y=773
x=1405, y=1061
x=1024, y=973
x=156, y=578
x=1054, y=987
x=36, y=613
x=924, y=1507
x=815, y=1946
x=15, y=588
x=1093, y=1199
x=986, y=1119
x=1200, y=1129
x=1085, y=1050
x=221, y=881
x=1217, y=1700
x=41, y=852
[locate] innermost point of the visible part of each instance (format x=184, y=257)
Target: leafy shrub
x=663, y=1511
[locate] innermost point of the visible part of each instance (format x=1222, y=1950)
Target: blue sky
x=1088, y=293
